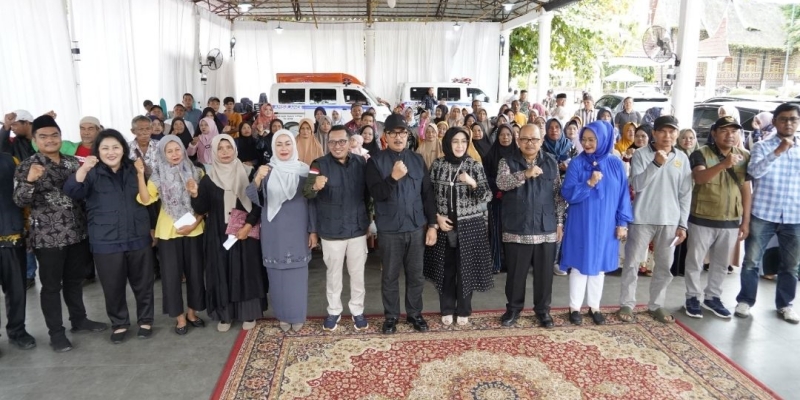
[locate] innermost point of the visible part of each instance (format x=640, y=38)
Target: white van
x=296, y=96
x=454, y=94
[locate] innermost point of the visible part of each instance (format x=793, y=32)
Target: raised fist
x=36, y=172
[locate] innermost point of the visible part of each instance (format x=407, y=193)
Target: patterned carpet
x=644, y=360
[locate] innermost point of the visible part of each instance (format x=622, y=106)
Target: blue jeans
x=789, y=243
x=31, y=272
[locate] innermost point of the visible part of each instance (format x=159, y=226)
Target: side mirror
x=486, y=99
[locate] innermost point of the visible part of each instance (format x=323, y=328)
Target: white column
x=503, y=76
x=369, y=34
x=711, y=77
x=545, y=31
x=688, y=42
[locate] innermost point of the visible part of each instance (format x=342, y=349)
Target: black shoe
x=575, y=317
x=29, y=283
x=545, y=320
x=182, y=330
x=198, y=323
x=23, y=341
x=418, y=322
x=118, y=337
x=597, y=317
x=60, y=343
x=88, y=325
x=509, y=318
x=389, y=325
x=145, y=333
x=706, y=267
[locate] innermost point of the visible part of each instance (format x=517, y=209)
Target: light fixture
x=508, y=6
x=456, y=27
x=278, y=28
x=502, y=44
x=245, y=7
x=233, y=44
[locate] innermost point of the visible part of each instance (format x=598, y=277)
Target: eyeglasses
x=395, y=134
x=529, y=140
x=789, y=120
x=334, y=143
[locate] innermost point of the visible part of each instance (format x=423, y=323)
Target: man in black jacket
x=405, y=214
x=336, y=183
x=18, y=122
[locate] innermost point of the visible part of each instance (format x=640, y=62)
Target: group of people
x=453, y=200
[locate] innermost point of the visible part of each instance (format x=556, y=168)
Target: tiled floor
x=169, y=366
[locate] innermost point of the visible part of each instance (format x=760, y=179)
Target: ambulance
x=297, y=95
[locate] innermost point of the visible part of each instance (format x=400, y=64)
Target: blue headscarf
x=604, y=132
x=561, y=147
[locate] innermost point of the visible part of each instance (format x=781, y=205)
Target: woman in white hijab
x=288, y=229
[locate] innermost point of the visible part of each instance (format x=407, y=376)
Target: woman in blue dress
x=596, y=188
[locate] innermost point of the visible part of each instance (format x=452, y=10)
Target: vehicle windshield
x=372, y=98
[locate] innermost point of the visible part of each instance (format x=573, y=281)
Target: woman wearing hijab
x=600, y=210
x=540, y=122
x=571, y=132
x=459, y=263
x=470, y=120
x=209, y=112
x=440, y=114
x=408, y=114
x=235, y=282
x=246, y=145
x=504, y=147
x=180, y=250
x=479, y=140
x=179, y=130
x=626, y=137
x=370, y=139
x=687, y=142
x=201, y=144
x=278, y=189
x=455, y=118
x=264, y=118
x=762, y=128
x=324, y=125
x=650, y=115
x=431, y=147
x=308, y=147
x=264, y=140
x=557, y=144
x=540, y=109
x=483, y=120
x=441, y=129
x=119, y=230
x=336, y=118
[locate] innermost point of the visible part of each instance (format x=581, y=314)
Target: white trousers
x=334, y=253
x=580, y=284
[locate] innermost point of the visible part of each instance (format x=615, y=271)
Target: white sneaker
x=223, y=327
x=742, y=310
x=787, y=314
x=447, y=320
x=247, y=325
x=462, y=320
x=557, y=270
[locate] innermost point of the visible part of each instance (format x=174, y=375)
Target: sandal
x=662, y=315
x=625, y=314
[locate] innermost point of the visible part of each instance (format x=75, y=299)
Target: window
x=352, y=96
x=750, y=65
x=417, y=93
x=727, y=66
x=608, y=101
x=291, y=96
x=322, y=96
x=775, y=64
x=449, y=93
x=477, y=94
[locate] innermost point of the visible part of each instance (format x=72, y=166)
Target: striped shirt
x=586, y=116
x=776, y=182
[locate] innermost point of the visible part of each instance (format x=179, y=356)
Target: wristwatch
x=434, y=226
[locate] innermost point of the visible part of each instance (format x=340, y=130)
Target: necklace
x=454, y=176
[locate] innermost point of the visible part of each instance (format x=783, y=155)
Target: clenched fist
x=596, y=177
x=785, y=145
x=319, y=182
x=399, y=170
x=191, y=187
x=139, y=164
x=661, y=157
x=36, y=172
x=9, y=119
x=89, y=163
x=262, y=173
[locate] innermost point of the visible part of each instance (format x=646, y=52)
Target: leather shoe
x=24, y=341
x=509, y=318
x=118, y=337
x=145, y=333
x=545, y=320
x=198, y=323
x=389, y=326
x=88, y=325
x=60, y=343
x=575, y=317
x=418, y=323
x=597, y=317
x=182, y=330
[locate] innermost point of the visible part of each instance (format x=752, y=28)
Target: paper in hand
x=186, y=219
x=230, y=242
x=674, y=242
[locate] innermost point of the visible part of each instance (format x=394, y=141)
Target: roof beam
x=296, y=9
x=440, y=9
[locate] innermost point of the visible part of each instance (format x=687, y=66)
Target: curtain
x=36, y=63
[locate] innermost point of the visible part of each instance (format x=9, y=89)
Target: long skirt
x=288, y=294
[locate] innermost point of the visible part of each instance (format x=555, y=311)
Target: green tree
x=580, y=34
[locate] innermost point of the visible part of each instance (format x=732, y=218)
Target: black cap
x=561, y=96
x=393, y=122
x=726, y=121
x=213, y=98
x=665, y=120
x=45, y=121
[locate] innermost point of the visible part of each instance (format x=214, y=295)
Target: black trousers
x=13, y=267
x=452, y=299
x=402, y=252
x=180, y=257
x=519, y=259
x=63, y=269
x=115, y=272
